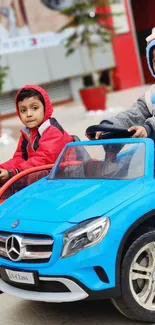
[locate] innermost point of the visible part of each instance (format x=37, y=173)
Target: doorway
x=144, y=20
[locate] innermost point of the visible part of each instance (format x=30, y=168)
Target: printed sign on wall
x=58, y=4
x=25, y=24
x=31, y=42
x=26, y=17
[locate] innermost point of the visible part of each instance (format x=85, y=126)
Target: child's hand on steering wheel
x=95, y=136
x=140, y=131
x=4, y=176
x=98, y=135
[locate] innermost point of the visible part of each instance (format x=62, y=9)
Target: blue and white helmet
x=150, y=46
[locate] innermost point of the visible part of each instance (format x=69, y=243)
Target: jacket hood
x=150, y=45
x=42, y=91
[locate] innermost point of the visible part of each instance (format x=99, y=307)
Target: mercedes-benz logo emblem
x=14, y=248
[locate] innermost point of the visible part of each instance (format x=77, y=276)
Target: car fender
x=125, y=238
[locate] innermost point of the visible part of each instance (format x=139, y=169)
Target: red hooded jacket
x=41, y=145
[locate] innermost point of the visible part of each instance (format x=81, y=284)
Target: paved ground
x=14, y=311
x=17, y=312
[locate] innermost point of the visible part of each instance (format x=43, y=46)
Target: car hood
x=69, y=200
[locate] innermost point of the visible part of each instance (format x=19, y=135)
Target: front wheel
x=137, y=299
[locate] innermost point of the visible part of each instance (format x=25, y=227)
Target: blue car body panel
x=75, y=200
x=51, y=207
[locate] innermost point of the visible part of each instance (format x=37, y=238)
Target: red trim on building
x=127, y=72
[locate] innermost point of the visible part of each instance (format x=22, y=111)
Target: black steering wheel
x=109, y=131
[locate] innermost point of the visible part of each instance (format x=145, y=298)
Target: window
x=109, y=161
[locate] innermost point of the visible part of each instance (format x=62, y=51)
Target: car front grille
x=25, y=248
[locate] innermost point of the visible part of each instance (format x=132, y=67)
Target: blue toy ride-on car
x=87, y=230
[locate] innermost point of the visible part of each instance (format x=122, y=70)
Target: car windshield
x=109, y=161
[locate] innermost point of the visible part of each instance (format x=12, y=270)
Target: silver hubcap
x=142, y=277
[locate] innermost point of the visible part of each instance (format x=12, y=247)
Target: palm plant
x=91, y=26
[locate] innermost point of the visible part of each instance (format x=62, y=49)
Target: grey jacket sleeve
x=137, y=115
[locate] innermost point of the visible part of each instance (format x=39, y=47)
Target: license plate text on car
x=20, y=277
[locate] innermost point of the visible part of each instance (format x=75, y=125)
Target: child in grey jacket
x=141, y=117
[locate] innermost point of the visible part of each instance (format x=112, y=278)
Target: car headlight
x=86, y=234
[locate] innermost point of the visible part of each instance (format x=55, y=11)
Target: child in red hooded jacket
x=41, y=140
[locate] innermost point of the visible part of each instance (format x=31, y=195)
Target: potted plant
x=3, y=74
x=91, y=26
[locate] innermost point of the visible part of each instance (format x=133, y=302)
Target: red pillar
x=127, y=72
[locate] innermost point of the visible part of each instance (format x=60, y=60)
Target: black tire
x=127, y=303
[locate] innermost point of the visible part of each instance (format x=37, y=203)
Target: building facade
x=34, y=53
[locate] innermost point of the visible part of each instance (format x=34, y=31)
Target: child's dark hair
x=27, y=93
